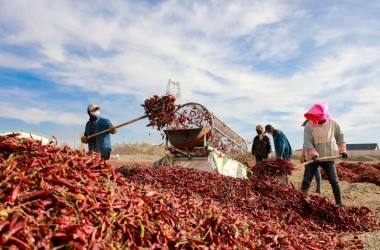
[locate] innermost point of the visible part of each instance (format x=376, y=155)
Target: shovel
x=118, y=126
x=164, y=104
x=326, y=158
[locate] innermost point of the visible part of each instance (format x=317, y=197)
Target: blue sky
x=249, y=62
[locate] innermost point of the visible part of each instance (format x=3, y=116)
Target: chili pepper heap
x=52, y=198
x=160, y=110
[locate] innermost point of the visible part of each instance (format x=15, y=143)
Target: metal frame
x=214, y=130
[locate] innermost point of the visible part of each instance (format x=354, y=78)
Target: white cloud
x=9, y=60
x=36, y=116
x=246, y=60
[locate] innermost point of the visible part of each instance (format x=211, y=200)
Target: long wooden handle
x=321, y=159
x=118, y=126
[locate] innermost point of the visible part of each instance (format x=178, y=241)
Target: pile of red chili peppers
x=160, y=110
x=357, y=172
x=59, y=198
x=276, y=167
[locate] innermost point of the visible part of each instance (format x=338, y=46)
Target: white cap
x=92, y=107
x=260, y=127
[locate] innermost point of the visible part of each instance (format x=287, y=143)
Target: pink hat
x=318, y=112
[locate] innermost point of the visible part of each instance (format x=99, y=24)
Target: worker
x=280, y=141
x=317, y=175
x=261, y=147
x=320, y=134
x=96, y=124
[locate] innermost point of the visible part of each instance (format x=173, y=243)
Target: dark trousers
x=318, y=178
x=106, y=156
x=261, y=158
x=330, y=170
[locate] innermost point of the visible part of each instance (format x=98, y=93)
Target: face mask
x=259, y=132
x=95, y=113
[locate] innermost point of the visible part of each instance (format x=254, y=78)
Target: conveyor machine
x=198, y=139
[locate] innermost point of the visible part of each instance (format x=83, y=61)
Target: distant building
x=363, y=149
x=362, y=146
x=355, y=149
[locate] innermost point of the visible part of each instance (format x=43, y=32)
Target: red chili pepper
x=33, y=195
x=21, y=244
x=12, y=230
x=14, y=194
x=3, y=224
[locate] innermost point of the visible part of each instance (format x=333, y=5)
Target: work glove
x=112, y=130
x=344, y=155
x=302, y=159
x=315, y=158
x=84, y=139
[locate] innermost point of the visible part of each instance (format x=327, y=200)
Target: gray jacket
x=322, y=138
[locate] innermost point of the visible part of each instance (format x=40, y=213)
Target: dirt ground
x=354, y=194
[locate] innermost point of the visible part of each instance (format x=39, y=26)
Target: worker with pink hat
x=321, y=134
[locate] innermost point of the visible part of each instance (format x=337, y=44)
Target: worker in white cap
x=261, y=147
x=101, y=143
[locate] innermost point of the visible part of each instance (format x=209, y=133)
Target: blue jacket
x=281, y=145
x=103, y=141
